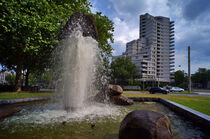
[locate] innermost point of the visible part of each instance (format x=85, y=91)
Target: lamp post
x=189, y=76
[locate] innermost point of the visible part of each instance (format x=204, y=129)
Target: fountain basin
x=199, y=119
x=43, y=120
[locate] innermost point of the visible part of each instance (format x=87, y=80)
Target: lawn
x=143, y=91
x=201, y=104
x=185, y=92
x=13, y=95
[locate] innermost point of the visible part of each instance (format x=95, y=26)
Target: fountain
x=79, y=58
x=71, y=115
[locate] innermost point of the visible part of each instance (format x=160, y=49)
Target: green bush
x=130, y=82
x=10, y=79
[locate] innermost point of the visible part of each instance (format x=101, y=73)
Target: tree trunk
x=27, y=78
x=18, y=76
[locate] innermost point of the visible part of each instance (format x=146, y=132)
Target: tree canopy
x=29, y=31
x=180, y=79
x=122, y=68
x=105, y=29
x=202, y=76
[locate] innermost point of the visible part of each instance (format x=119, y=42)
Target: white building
x=3, y=76
x=153, y=52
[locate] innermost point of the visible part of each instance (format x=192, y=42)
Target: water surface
x=46, y=120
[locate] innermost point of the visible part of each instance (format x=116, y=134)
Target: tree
x=180, y=79
x=29, y=32
x=105, y=29
x=122, y=68
x=37, y=78
x=29, y=28
x=202, y=76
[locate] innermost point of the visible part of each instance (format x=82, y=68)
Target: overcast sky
x=192, y=25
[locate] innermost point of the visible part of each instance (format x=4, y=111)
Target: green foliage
x=33, y=80
x=134, y=82
x=130, y=82
x=202, y=76
x=180, y=79
x=37, y=78
x=122, y=68
x=29, y=30
x=105, y=29
x=10, y=79
x=46, y=77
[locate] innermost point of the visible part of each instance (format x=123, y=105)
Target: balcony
x=171, y=35
x=144, y=66
x=171, y=42
x=172, y=62
x=171, y=45
x=171, y=59
x=172, y=22
x=172, y=69
x=171, y=28
x=171, y=25
x=171, y=66
x=171, y=38
x=171, y=52
x=172, y=48
x=144, y=69
x=171, y=32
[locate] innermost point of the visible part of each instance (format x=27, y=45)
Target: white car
x=176, y=89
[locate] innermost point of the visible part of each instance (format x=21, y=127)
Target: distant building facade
x=153, y=52
x=3, y=76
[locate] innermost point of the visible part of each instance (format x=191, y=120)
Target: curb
x=21, y=100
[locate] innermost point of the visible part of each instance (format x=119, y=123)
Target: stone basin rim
x=197, y=118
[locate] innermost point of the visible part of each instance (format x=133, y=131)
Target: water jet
x=79, y=58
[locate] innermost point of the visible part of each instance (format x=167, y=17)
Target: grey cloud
x=195, y=8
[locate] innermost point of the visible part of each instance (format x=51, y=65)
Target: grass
x=185, y=92
x=14, y=95
x=201, y=104
x=144, y=91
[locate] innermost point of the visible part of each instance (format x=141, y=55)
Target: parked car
x=176, y=89
x=158, y=90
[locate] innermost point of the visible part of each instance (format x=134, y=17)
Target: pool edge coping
x=22, y=100
x=198, y=118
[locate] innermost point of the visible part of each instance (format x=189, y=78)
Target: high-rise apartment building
x=153, y=52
